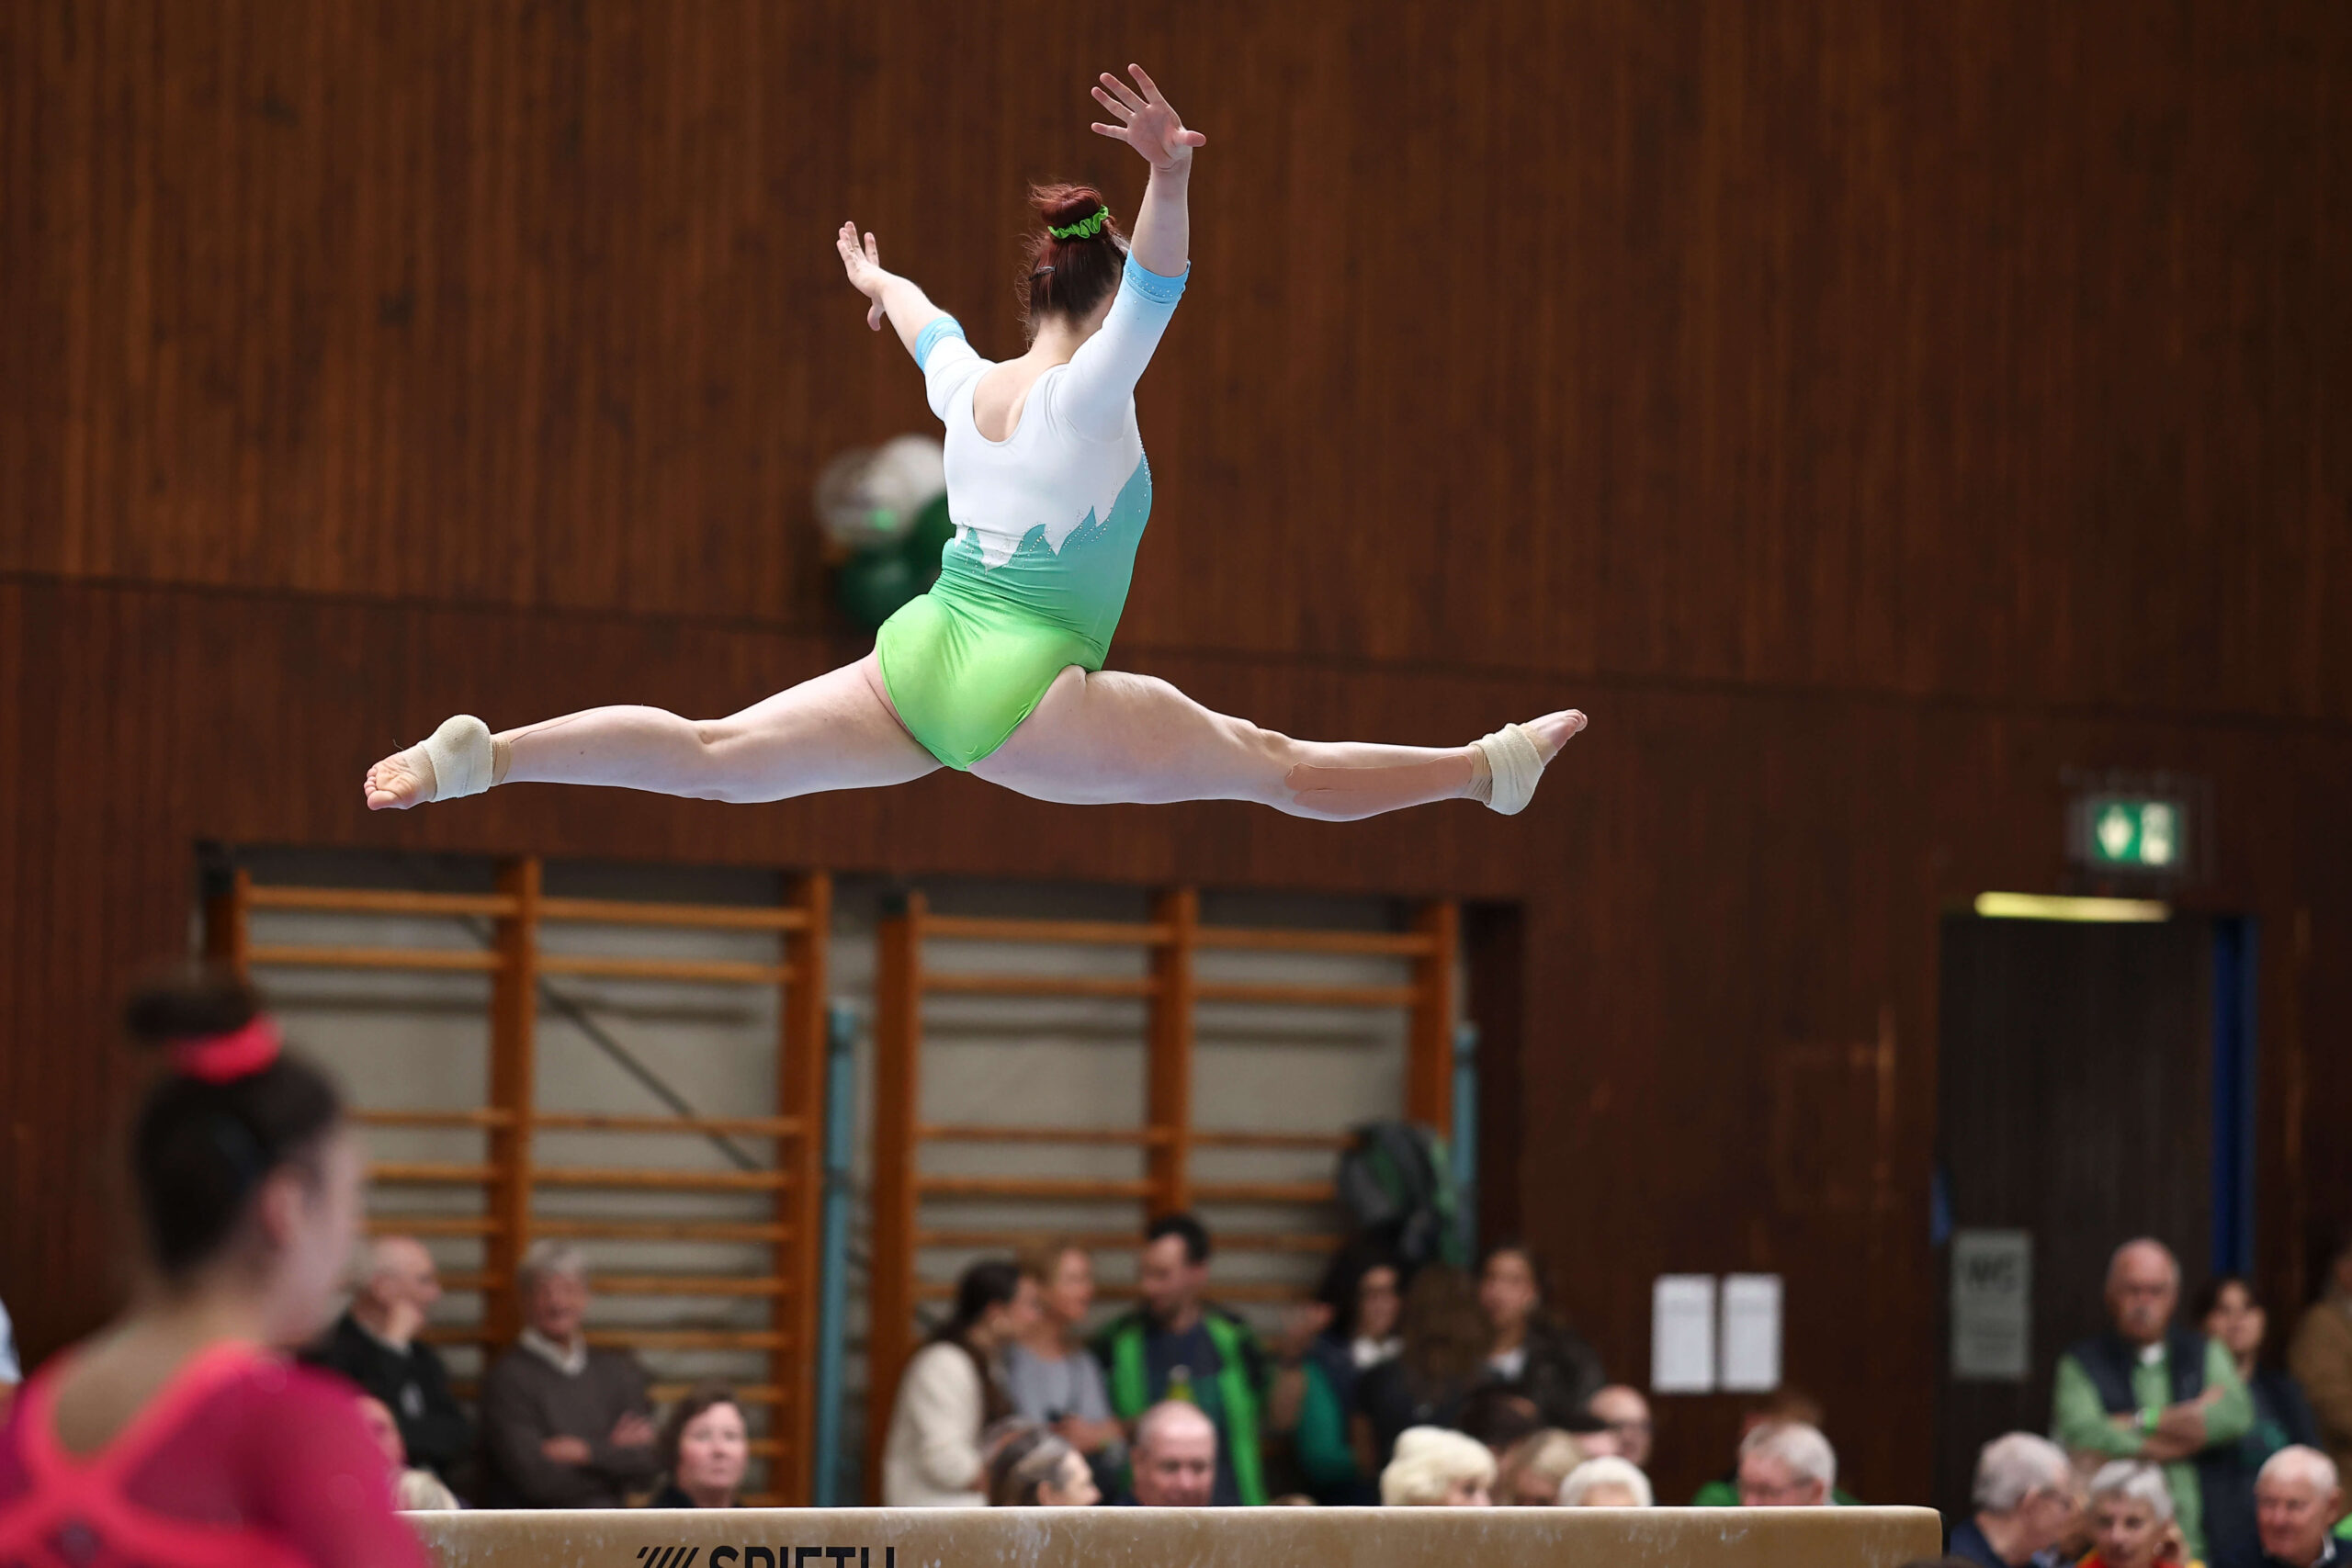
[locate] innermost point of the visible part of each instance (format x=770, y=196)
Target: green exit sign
x=2134, y=833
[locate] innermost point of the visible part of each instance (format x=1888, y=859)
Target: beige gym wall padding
x=1184, y=1538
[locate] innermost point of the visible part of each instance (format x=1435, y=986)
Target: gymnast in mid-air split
x=998, y=669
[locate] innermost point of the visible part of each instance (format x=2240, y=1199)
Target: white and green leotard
x=1046, y=525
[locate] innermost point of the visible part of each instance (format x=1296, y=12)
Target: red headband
x=224, y=1058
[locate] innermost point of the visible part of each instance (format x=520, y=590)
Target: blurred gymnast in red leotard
x=177, y=1436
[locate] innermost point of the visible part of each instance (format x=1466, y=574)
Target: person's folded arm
x=2079, y=1421
x=2230, y=1416
x=513, y=1427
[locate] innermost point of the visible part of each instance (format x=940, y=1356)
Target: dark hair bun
x=1068, y=276
x=201, y=1149
x=191, y=1002
x=1061, y=206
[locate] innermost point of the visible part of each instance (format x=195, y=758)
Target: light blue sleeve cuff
x=1152, y=286
x=943, y=326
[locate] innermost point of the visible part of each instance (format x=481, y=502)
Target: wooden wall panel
x=1991, y=351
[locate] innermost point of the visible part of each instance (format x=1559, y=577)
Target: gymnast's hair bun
x=1068, y=275
x=205, y=1141
x=190, y=1002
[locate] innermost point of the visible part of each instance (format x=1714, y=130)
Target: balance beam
x=1183, y=1538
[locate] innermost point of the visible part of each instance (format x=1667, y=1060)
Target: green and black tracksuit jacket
x=1243, y=1380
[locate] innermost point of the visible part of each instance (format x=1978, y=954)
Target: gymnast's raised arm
x=909, y=308
x=1150, y=125
x=1103, y=373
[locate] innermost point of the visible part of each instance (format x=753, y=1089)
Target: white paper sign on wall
x=1682, y=1333
x=1751, y=1342
x=1992, y=1306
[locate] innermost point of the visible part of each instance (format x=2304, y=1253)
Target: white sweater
x=932, y=1459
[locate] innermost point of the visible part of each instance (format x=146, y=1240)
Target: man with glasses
x=2026, y=1501
x=1626, y=1414
x=2145, y=1389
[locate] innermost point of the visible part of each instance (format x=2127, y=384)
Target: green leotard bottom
x=964, y=670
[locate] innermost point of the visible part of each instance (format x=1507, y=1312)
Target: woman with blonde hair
x=1436, y=1467
x=1533, y=1468
x=1050, y=1376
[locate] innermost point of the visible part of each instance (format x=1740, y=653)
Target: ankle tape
x=460, y=754
x=1518, y=766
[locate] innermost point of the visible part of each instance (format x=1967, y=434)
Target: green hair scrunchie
x=1085, y=229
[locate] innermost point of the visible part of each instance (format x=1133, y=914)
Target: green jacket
x=1240, y=1380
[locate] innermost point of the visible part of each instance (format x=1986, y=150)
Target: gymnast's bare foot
x=399, y=781
x=1555, y=730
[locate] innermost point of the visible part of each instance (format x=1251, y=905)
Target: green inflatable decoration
x=872, y=584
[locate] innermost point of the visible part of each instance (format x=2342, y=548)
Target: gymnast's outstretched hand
x=887, y=293
x=863, y=263
x=1147, y=121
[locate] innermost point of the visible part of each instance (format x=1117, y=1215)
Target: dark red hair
x=1068, y=278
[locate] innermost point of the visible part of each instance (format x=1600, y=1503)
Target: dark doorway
x=2078, y=1104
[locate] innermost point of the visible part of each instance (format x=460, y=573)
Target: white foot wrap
x=460, y=755
x=1517, y=763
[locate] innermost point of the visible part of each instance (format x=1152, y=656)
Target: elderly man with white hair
x=2297, y=1500
x=2026, y=1499
x=1786, y=1464
x=563, y=1424
x=375, y=1344
x=2147, y=1388
x=1607, y=1482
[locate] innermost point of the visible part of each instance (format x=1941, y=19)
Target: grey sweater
x=526, y=1399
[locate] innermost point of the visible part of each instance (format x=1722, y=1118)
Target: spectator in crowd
x=2133, y=1519
x=415, y=1491
x=2232, y=1316
x=2026, y=1501
x=1786, y=1465
x=706, y=1448
x=2298, y=1498
x=951, y=1389
x=1039, y=1469
x=563, y=1424
x=1436, y=1467
x=2320, y=1355
x=1786, y=1405
x=1609, y=1482
x=375, y=1344
x=1446, y=1337
x=1175, y=1345
x=1626, y=1416
x=1530, y=1349
x=1048, y=1374
x=11, y=1372
x=1531, y=1472
x=1326, y=1348
x=2147, y=1389
x=1175, y=1457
